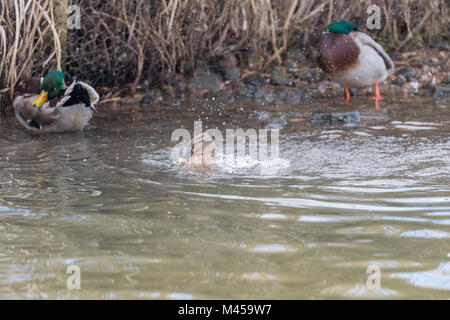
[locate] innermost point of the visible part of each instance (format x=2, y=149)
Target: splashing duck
x=45, y=105
x=353, y=58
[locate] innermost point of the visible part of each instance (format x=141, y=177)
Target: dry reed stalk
x=24, y=25
x=130, y=41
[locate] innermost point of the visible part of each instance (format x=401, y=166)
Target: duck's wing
x=31, y=117
x=48, y=114
x=93, y=95
x=79, y=92
x=367, y=40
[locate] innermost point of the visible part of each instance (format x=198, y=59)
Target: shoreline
x=424, y=72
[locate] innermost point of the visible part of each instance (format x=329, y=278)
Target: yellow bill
x=39, y=101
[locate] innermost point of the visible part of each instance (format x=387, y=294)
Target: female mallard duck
x=45, y=105
x=353, y=58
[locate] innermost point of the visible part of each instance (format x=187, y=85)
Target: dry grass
x=25, y=28
x=122, y=41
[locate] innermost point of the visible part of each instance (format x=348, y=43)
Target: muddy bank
x=297, y=79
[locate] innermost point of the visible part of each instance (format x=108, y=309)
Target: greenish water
x=111, y=201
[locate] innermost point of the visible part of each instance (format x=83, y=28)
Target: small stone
x=263, y=94
x=280, y=79
x=395, y=56
x=294, y=115
x=293, y=97
x=255, y=60
x=336, y=118
x=263, y=115
x=442, y=93
x=408, y=72
x=295, y=54
x=446, y=79
x=210, y=82
x=201, y=66
x=314, y=77
x=443, y=45
x=221, y=95
x=255, y=80
x=232, y=73
x=401, y=80
x=292, y=66
x=245, y=92
x=229, y=60
x=276, y=123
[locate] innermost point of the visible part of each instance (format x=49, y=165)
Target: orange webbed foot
x=377, y=96
x=347, y=95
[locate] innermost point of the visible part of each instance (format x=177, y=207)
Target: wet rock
x=292, y=66
x=245, y=92
x=291, y=96
x=255, y=80
x=294, y=115
x=401, y=80
x=221, y=95
x=329, y=87
x=443, y=45
x=176, y=103
x=276, y=123
x=263, y=94
x=411, y=87
x=408, y=72
x=442, y=93
x=314, y=77
x=151, y=96
x=254, y=60
x=209, y=82
x=295, y=54
x=229, y=60
x=395, y=56
x=263, y=115
x=295, y=96
x=201, y=66
x=232, y=73
x=336, y=118
x=446, y=79
x=294, y=59
x=279, y=78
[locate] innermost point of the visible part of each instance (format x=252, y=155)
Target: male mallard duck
x=353, y=58
x=45, y=105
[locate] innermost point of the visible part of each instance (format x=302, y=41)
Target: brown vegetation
x=123, y=41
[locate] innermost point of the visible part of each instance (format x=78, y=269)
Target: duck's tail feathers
x=368, y=41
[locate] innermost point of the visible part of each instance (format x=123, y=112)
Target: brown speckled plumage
x=337, y=52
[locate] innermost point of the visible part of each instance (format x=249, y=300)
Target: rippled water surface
x=345, y=197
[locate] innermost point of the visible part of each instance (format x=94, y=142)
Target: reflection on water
x=346, y=196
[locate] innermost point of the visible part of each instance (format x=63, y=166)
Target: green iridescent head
x=52, y=84
x=342, y=26
x=50, y=87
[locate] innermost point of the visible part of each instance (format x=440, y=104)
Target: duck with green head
x=353, y=58
x=46, y=105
